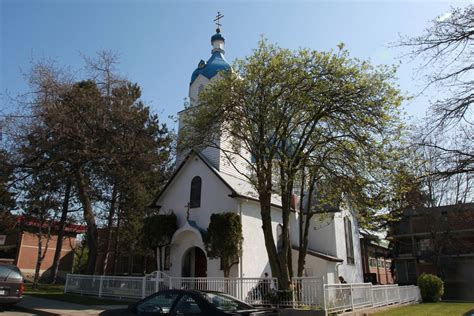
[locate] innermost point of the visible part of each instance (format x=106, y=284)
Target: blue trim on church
x=201, y=230
x=215, y=64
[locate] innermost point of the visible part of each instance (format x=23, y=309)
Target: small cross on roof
x=219, y=16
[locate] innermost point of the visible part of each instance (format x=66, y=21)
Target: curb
x=36, y=311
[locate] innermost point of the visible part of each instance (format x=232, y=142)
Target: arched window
x=195, y=197
x=349, y=241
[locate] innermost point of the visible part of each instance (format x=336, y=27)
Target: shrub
x=431, y=287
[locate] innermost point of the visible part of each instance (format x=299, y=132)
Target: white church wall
x=212, y=154
x=214, y=194
x=214, y=199
x=254, y=255
x=233, y=159
x=352, y=273
x=195, y=88
x=314, y=267
x=321, y=233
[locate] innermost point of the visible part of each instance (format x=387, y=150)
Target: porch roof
x=319, y=255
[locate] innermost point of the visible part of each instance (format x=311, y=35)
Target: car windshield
x=225, y=302
x=9, y=273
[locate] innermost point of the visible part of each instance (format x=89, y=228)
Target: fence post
x=144, y=287
x=156, y=283
x=324, y=297
x=372, y=294
x=386, y=295
x=100, y=285
x=67, y=283
x=170, y=284
x=352, y=298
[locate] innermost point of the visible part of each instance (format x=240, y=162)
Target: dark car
x=191, y=303
x=11, y=284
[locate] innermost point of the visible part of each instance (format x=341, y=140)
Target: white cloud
x=444, y=16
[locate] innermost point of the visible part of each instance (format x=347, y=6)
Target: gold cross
x=217, y=20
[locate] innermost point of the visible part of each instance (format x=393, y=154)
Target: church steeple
x=217, y=40
x=217, y=61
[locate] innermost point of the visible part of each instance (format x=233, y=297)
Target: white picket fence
x=254, y=291
x=306, y=291
x=345, y=297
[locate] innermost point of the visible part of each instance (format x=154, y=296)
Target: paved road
x=14, y=312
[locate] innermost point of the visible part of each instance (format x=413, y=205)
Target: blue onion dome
x=217, y=36
x=216, y=63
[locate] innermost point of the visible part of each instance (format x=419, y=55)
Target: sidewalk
x=48, y=307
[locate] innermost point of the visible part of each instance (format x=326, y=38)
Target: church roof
x=239, y=188
x=215, y=64
x=319, y=254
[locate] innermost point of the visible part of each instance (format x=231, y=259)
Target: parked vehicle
x=11, y=284
x=190, y=302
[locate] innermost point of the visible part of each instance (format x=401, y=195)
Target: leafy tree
x=447, y=48
x=157, y=232
x=277, y=108
x=7, y=201
x=98, y=135
x=40, y=209
x=224, y=239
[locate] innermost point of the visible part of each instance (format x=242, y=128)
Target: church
x=205, y=182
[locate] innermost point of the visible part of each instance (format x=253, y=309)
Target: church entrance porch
x=194, y=263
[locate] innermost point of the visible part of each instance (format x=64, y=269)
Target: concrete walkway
x=48, y=307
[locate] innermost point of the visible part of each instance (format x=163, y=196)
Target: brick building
x=20, y=247
x=376, y=260
x=440, y=241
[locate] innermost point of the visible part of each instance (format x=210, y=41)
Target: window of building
x=195, y=197
x=372, y=262
x=279, y=238
x=349, y=242
x=167, y=263
x=424, y=245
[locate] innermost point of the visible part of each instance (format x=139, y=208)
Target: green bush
x=431, y=287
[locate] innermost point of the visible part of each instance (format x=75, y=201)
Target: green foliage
x=431, y=287
x=158, y=230
x=99, y=135
x=81, y=254
x=224, y=239
x=6, y=172
x=284, y=111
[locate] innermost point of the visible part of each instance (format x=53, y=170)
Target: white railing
x=345, y=297
x=308, y=291
x=305, y=291
x=255, y=291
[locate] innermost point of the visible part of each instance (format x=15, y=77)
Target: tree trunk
x=286, y=187
x=160, y=257
x=110, y=222
x=62, y=226
x=116, y=244
x=83, y=191
x=265, y=212
x=38, y=260
x=305, y=218
x=41, y=254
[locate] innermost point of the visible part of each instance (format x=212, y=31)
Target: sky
x=160, y=42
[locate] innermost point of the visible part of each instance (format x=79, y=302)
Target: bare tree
x=447, y=48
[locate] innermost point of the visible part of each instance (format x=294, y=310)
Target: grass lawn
x=431, y=309
x=56, y=292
